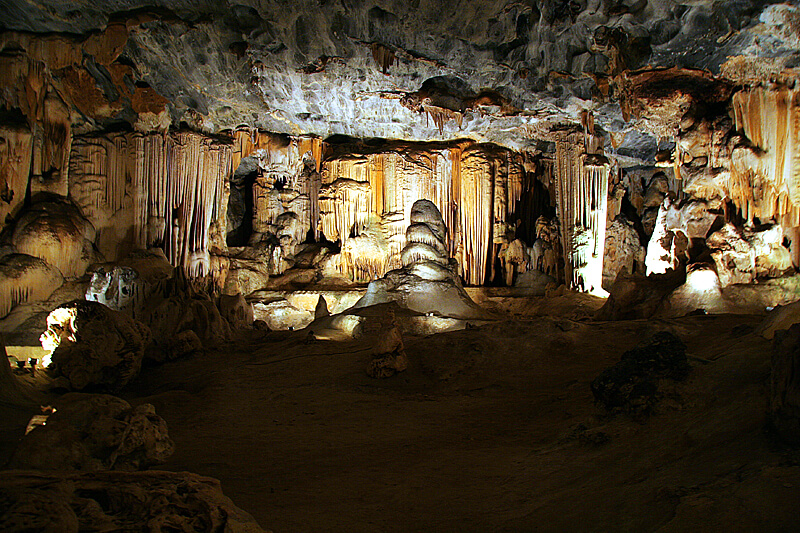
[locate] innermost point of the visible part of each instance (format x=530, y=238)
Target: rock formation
x=427, y=282
x=632, y=384
x=156, y=501
x=91, y=345
x=388, y=354
x=94, y=432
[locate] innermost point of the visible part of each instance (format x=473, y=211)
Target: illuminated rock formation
x=765, y=171
x=56, y=232
x=623, y=251
x=428, y=282
x=582, y=190
x=92, y=345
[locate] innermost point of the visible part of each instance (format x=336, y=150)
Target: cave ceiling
x=507, y=72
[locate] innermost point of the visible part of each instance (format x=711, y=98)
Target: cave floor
x=490, y=429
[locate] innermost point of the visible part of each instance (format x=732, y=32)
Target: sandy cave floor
x=490, y=429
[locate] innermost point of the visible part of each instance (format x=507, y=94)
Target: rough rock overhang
x=495, y=71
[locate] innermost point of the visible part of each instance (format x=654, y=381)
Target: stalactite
x=345, y=206
x=440, y=115
x=51, y=156
x=765, y=181
x=383, y=56
x=582, y=187
x=476, y=218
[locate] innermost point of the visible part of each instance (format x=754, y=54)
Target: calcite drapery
x=765, y=177
x=582, y=187
x=16, y=143
x=169, y=188
x=476, y=187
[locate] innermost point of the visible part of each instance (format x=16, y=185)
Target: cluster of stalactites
x=581, y=190
x=283, y=184
x=476, y=190
x=174, y=184
x=101, y=166
x=765, y=177
x=179, y=184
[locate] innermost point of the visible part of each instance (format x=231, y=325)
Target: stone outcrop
x=93, y=346
x=151, y=501
x=93, y=432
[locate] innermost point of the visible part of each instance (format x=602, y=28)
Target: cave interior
x=337, y=265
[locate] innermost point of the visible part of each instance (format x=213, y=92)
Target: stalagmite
x=581, y=197
x=475, y=187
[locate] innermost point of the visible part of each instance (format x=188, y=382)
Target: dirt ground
x=491, y=428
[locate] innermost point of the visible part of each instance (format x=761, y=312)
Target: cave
x=400, y=266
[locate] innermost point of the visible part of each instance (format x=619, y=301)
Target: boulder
x=94, y=346
x=93, y=432
x=236, y=311
x=126, y=284
x=158, y=502
x=632, y=384
x=634, y=296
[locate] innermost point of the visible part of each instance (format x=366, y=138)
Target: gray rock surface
x=344, y=68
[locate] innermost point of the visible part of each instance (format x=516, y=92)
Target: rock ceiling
x=497, y=71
